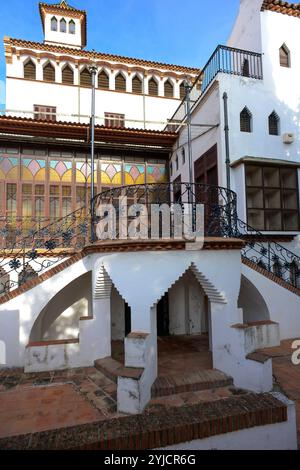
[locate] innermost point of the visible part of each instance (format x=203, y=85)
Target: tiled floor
x=287, y=375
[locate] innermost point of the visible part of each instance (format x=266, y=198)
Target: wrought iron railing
x=219, y=204
x=224, y=59
x=25, y=257
x=269, y=255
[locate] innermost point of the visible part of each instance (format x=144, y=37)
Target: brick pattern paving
x=286, y=374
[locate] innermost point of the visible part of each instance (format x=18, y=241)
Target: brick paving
x=286, y=374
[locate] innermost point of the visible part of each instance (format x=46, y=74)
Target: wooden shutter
x=85, y=78
x=137, y=85
x=120, y=83
x=153, y=87
x=168, y=89
x=68, y=76
x=49, y=73
x=103, y=81
x=284, y=57
x=30, y=71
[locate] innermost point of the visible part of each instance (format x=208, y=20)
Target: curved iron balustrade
x=219, y=203
x=25, y=257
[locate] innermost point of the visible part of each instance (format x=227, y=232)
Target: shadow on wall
x=60, y=318
x=252, y=302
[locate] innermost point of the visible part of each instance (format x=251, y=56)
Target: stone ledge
x=52, y=342
x=160, y=428
x=258, y=357
x=113, y=369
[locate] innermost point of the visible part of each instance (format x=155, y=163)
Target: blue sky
x=173, y=31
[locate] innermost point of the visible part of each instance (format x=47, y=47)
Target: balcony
x=226, y=60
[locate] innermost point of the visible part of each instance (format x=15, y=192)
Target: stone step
x=202, y=380
x=113, y=369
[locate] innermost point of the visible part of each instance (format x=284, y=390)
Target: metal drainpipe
x=93, y=70
x=227, y=148
x=189, y=121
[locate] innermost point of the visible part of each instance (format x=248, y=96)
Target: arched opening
x=182, y=91
x=252, y=302
x=72, y=27
x=153, y=87
x=103, y=80
x=59, y=319
x=85, y=78
x=63, y=26
x=246, y=68
x=137, y=85
x=284, y=56
x=168, y=89
x=120, y=324
x=120, y=83
x=53, y=24
x=30, y=70
x=49, y=73
x=245, y=120
x=68, y=75
x=274, y=123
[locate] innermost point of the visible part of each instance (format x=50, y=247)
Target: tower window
x=183, y=156
x=182, y=91
x=274, y=124
x=120, y=83
x=168, y=89
x=49, y=73
x=63, y=26
x=137, y=86
x=246, y=68
x=53, y=24
x=284, y=56
x=85, y=78
x=72, y=27
x=68, y=75
x=30, y=70
x=103, y=80
x=246, y=120
x=153, y=87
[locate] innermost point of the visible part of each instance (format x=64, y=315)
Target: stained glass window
x=156, y=174
x=134, y=174
x=111, y=173
x=83, y=172
x=33, y=169
x=60, y=171
x=8, y=168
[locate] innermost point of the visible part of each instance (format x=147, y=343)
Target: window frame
x=114, y=120
x=248, y=127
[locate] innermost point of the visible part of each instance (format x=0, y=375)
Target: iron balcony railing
x=228, y=60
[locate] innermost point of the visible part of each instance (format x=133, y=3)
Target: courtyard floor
x=33, y=403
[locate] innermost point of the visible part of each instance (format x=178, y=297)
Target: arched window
x=49, y=73
x=274, y=123
x=63, y=26
x=72, y=27
x=53, y=24
x=30, y=70
x=137, y=86
x=246, y=68
x=153, y=87
x=284, y=56
x=168, y=89
x=183, y=155
x=120, y=83
x=182, y=91
x=246, y=120
x=68, y=75
x=85, y=78
x=103, y=80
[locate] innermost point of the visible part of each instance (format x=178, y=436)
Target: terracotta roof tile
x=99, y=55
x=291, y=9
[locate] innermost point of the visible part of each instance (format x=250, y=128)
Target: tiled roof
x=62, y=6
x=100, y=55
x=291, y=9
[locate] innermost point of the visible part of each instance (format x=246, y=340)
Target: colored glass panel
x=83, y=172
x=111, y=173
x=33, y=169
x=134, y=174
x=156, y=174
x=58, y=170
x=9, y=167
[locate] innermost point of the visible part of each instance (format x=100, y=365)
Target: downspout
x=227, y=147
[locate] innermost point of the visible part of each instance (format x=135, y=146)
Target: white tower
x=63, y=24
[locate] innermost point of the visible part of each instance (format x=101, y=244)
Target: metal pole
x=93, y=71
x=227, y=149
x=188, y=113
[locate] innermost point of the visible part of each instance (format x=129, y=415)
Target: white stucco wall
x=117, y=306
x=246, y=33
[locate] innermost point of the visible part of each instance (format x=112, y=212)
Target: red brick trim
x=271, y=276
x=39, y=279
x=159, y=428
x=113, y=369
x=85, y=318
x=52, y=342
x=286, y=8
x=244, y=326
